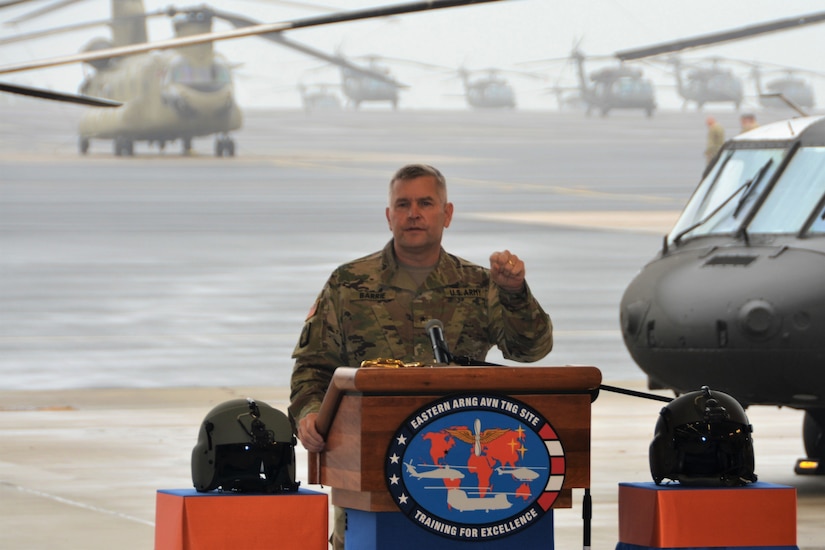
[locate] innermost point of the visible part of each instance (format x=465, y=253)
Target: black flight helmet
x=703, y=438
x=245, y=446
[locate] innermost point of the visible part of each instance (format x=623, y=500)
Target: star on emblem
x=394, y=480
x=402, y=440
x=394, y=458
x=403, y=499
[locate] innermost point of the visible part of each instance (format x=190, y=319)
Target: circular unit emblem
x=475, y=467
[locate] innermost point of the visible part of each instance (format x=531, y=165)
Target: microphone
x=435, y=330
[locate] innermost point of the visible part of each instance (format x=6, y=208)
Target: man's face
x=418, y=214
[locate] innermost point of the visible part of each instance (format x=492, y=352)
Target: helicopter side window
x=728, y=192
x=791, y=200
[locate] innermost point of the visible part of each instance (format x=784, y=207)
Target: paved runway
x=159, y=270
x=139, y=292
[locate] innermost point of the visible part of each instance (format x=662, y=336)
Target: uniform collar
x=446, y=271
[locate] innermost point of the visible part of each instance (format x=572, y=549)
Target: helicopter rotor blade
x=58, y=96
x=356, y=15
x=303, y=5
x=401, y=60
x=81, y=26
x=58, y=4
x=241, y=22
x=719, y=37
x=10, y=3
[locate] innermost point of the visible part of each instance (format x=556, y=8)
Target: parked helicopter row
x=698, y=82
x=199, y=74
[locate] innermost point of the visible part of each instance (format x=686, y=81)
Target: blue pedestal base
x=382, y=530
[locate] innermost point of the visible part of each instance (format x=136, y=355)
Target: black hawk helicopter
x=319, y=97
x=360, y=88
x=616, y=87
x=789, y=84
x=619, y=87
x=488, y=91
x=707, y=81
x=734, y=299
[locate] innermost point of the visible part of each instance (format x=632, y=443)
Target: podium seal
x=475, y=467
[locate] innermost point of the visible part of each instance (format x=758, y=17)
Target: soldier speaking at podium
x=379, y=306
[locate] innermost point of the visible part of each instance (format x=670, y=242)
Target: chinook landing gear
x=813, y=434
x=224, y=146
x=124, y=147
x=83, y=145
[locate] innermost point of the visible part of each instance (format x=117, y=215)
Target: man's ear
x=448, y=211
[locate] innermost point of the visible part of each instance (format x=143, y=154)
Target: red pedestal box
x=188, y=520
x=676, y=516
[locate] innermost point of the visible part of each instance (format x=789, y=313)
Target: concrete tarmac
x=137, y=293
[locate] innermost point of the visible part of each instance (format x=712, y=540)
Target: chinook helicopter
x=175, y=94
x=734, y=299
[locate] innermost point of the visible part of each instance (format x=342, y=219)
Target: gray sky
x=502, y=35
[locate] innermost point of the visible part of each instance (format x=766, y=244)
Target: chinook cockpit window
x=201, y=77
x=797, y=192
x=725, y=197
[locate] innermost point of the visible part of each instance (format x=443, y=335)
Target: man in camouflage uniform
x=378, y=306
x=716, y=138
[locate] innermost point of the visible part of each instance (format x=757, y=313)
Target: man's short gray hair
x=412, y=171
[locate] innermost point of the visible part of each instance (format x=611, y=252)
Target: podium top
x=439, y=380
x=444, y=379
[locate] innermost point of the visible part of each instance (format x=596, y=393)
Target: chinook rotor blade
x=40, y=11
x=724, y=36
x=58, y=96
x=254, y=30
x=79, y=27
x=10, y=3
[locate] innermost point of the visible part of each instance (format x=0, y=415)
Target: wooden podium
x=364, y=408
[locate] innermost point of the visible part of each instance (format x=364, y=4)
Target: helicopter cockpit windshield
x=791, y=202
x=204, y=78
x=631, y=87
x=723, y=200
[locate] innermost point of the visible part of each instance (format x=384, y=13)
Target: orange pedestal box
x=674, y=516
x=188, y=520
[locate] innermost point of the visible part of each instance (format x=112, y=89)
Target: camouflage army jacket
x=371, y=308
